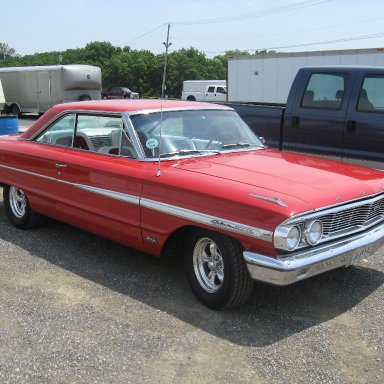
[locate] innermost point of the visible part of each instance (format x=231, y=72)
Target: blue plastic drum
x=9, y=124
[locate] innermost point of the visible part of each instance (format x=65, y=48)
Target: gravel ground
x=76, y=308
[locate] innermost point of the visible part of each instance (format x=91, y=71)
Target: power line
x=278, y=34
x=362, y=37
x=272, y=11
x=353, y=38
x=147, y=34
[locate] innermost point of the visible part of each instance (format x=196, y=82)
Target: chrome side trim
x=132, y=199
x=310, y=262
x=202, y=218
x=30, y=173
x=198, y=217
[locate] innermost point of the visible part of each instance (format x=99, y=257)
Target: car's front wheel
x=18, y=210
x=216, y=270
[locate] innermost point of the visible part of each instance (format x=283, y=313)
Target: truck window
x=324, y=90
x=221, y=90
x=211, y=89
x=371, y=97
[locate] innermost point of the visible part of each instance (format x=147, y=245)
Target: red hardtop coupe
x=193, y=178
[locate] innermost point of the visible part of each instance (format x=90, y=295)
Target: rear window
x=371, y=97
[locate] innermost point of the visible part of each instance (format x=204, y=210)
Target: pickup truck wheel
x=18, y=210
x=216, y=270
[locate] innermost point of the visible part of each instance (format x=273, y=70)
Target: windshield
x=192, y=132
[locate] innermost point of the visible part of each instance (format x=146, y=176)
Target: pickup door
x=328, y=113
x=364, y=132
x=216, y=93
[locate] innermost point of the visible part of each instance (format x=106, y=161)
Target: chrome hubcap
x=17, y=201
x=208, y=265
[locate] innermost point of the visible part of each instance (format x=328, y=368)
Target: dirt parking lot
x=76, y=308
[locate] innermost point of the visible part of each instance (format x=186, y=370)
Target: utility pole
x=167, y=45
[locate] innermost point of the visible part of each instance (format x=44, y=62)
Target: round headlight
x=313, y=231
x=293, y=238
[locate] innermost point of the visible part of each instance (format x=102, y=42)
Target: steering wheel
x=221, y=136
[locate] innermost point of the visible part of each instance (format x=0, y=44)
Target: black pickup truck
x=335, y=111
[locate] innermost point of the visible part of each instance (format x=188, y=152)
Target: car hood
x=317, y=182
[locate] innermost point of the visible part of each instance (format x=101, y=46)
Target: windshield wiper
x=242, y=145
x=183, y=152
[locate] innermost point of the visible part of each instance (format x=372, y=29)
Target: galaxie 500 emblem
x=232, y=227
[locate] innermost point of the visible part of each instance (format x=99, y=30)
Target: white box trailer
x=36, y=89
x=268, y=78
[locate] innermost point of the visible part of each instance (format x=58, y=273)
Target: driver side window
x=90, y=132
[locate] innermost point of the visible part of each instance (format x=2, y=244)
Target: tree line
x=139, y=70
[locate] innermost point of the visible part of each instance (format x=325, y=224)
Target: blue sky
x=211, y=26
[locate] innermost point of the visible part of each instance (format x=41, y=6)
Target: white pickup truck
x=204, y=90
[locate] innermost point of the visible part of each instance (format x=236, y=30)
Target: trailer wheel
x=84, y=98
x=15, y=110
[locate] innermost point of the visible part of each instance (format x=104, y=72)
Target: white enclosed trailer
x=36, y=89
x=268, y=78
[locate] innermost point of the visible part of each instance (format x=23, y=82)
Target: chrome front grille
x=351, y=219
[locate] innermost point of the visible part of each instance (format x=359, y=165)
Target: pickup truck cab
x=215, y=93
x=335, y=111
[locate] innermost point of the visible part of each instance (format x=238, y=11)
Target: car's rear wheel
x=216, y=270
x=18, y=210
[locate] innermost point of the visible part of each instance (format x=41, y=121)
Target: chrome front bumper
x=310, y=262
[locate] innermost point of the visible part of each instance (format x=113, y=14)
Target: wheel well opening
x=174, y=245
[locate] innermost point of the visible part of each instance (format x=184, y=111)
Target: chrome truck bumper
x=310, y=262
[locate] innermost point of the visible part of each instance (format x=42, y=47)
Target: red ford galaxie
x=192, y=178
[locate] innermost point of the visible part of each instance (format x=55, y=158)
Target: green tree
x=6, y=51
x=140, y=70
